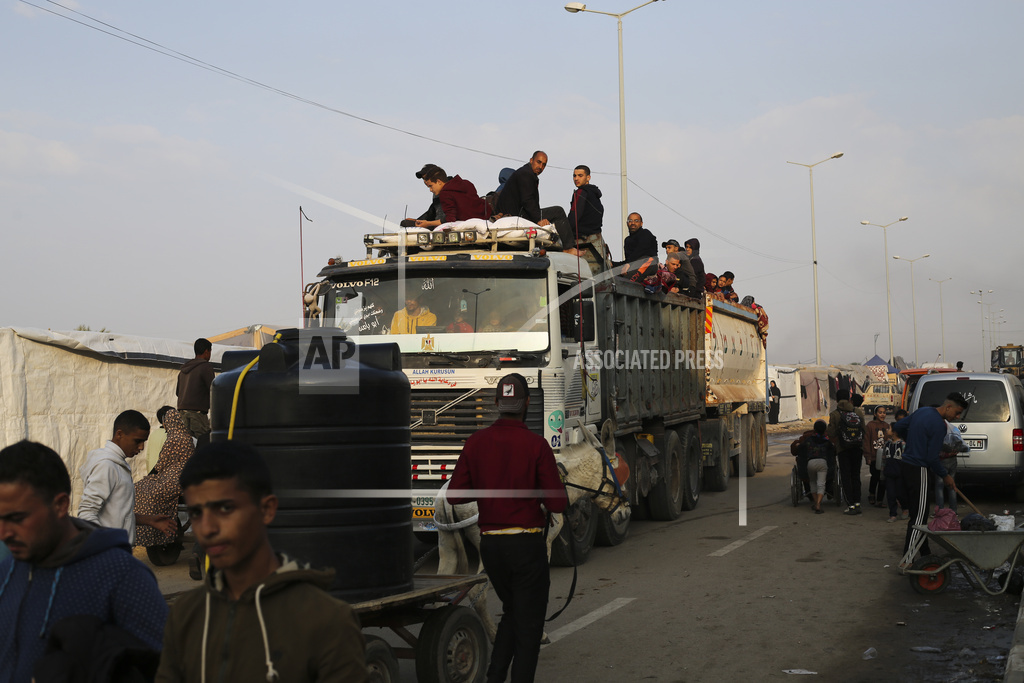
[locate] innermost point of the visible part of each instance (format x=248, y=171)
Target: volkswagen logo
x=962, y=428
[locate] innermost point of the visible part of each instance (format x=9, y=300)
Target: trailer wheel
x=691, y=469
x=666, y=497
x=929, y=585
x=716, y=477
x=164, y=555
x=452, y=647
x=573, y=544
x=381, y=663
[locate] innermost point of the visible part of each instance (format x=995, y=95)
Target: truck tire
x=761, y=442
x=691, y=468
x=608, y=532
x=666, y=497
x=748, y=443
x=573, y=544
x=716, y=477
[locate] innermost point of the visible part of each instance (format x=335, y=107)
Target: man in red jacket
x=458, y=197
x=511, y=472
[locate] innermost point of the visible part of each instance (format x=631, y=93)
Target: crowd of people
x=76, y=605
x=910, y=460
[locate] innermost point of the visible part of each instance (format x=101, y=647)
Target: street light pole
x=942, y=316
x=888, y=297
x=913, y=300
x=814, y=255
x=575, y=7
x=984, y=359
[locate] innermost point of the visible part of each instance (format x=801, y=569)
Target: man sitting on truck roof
x=434, y=215
x=458, y=197
x=406, y=320
x=521, y=194
x=583, y=224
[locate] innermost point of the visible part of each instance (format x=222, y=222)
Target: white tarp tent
x=64, y=389
x=788, y=381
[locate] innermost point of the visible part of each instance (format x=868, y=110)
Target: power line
x=153, y=46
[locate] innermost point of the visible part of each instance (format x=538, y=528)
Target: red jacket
x=460, y=201
x=506, y=456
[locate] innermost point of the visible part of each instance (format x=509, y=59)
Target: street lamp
x=913, y=300
x=814, y=255
x=942, y=316
x=888, y=298
x=575, y=7
x=981, y=293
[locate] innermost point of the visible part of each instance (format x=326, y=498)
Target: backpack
x=818, y=450
x=851, y=429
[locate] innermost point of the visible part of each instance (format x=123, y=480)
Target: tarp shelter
x=788, y=381
x=883, y=372
x=64, y=389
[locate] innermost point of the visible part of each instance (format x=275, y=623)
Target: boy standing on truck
x=507, y=458
x=261, y=615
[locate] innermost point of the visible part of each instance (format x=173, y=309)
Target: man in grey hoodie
x=108, y=493
x=846, y=432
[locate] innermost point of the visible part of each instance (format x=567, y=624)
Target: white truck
x=673, y=387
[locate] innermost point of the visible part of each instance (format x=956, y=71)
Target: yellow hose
x=238, y=390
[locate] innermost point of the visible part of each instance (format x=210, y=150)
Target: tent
x=64, y=389
x=252, y=337
x=882, y=369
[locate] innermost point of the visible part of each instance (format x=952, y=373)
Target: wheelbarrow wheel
x=164, y=555
x=929, y=584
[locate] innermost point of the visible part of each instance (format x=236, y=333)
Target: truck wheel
x=452, y=647
x=691, y=469
x=608, y=532
x=575, y=540
x=381, y=664
x=716, y=477
x=749, y=443
x=666, y=497
x=761, y=447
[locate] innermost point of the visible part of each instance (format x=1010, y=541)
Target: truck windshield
x=451, y=312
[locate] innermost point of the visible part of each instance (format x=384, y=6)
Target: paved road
x=705, y=598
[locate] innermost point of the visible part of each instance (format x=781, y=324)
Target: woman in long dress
x=157, y=493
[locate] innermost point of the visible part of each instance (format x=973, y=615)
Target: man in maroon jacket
x=458, y=197
x=511, y=472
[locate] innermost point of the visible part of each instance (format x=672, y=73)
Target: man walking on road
x=507, y=458
x=193, y=391
x=924, y=432
x=846, y=431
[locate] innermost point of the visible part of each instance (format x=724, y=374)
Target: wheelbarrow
x=977, y=555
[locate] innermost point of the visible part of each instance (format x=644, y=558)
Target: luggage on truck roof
x=505, y=233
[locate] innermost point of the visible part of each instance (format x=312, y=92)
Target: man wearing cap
x=434, y=215
x=498, y=464
x=692, y=247
x=684, y=272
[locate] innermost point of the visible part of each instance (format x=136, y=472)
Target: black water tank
x=332, y=419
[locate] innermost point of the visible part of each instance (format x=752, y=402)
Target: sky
x=150, y=196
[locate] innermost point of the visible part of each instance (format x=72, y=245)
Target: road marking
x=588, y=619
x=743, y=541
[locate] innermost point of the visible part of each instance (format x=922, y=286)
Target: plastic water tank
x=332, y=420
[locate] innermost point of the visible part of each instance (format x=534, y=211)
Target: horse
x=586, y=472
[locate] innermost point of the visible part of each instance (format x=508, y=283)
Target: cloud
x=22, y=154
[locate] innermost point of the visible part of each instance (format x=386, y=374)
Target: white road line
x=743, y=541
x=588, y=619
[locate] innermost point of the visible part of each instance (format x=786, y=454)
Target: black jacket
x=698, y=268
x=521, y=195
x=586, y=213
x=640, y=244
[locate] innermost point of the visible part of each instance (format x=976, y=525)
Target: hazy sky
x=144, y=194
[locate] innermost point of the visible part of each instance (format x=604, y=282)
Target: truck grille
x=437, y=441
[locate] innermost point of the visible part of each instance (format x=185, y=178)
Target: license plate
x=975, y=444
